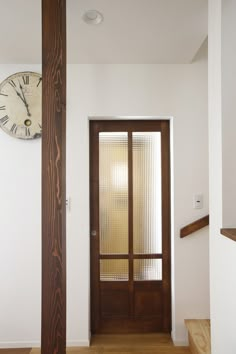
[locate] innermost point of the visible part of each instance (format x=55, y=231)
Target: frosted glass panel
x=113, y=192
x=114, y=270
x=148, y=269
x=147, y=225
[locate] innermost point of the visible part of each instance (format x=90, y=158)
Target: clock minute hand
x=24, y=100
x=19, y=95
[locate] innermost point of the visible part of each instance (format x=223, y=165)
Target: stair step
x=199, y=336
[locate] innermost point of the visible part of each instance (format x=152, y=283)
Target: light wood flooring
x=199, y=332
x=125, y=344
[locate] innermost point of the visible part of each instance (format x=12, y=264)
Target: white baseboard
x=179, y=342
x=36, y=344
x=72, y=343
x=5, y=345
x=78, y=343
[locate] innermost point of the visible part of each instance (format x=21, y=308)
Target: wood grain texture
x=192, y=346
x=166, y=225
x=194, y=226
x=230, y=233
x=129, y=344
x=54, y=177
x=199, y=336
x=130, y=228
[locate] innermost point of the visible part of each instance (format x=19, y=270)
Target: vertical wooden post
x=54, y=177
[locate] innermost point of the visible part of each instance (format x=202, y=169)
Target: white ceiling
x=133, y=31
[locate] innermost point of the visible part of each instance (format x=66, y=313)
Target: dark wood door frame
x=53, y=337
x=97, y=126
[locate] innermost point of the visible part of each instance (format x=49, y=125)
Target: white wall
x=20, y=228
x=222, y=180
x=143, y=90
x=228, y=111
x=179, y=91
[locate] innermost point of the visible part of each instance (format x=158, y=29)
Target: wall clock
x=21, y=105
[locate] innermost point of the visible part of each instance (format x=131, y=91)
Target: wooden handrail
x=194, y=226
x=230, y=233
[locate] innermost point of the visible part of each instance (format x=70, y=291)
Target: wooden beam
x=53, y=337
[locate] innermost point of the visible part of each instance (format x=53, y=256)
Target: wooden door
x=130, y=226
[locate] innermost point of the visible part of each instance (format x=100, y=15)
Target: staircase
x=199, y=336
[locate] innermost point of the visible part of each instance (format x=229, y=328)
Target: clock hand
x=24, y=100
x=19, y=95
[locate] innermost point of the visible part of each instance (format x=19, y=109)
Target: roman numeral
x=25, y=79
x=4, y=120
x=40, y=80
x=2, y=108
x=3, y=94
x=12, y=83
x=27, y=131
x=14, y=128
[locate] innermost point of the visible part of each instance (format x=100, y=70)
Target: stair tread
x=199, y=336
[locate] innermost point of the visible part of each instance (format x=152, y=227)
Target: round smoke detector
x=92, y=17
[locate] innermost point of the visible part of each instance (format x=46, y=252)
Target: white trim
x=36, y=344
x=77, y=343
x=129, y=117
x=172, y=231
x=181, y=343
x=172, y=227
x=20, y=344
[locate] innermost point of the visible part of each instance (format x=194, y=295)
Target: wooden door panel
x=115, y=300
x=148, y=302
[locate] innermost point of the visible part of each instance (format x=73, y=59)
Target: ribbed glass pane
x=113, y=192
x=114, y=270
x=147, y=215
x=148, y=269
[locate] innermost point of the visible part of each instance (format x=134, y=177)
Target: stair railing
x=194, y=226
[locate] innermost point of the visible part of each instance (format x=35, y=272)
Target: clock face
x=21, y=105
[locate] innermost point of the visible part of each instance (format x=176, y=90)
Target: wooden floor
x=115, y=344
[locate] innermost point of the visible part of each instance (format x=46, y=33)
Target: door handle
x=93, y=233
